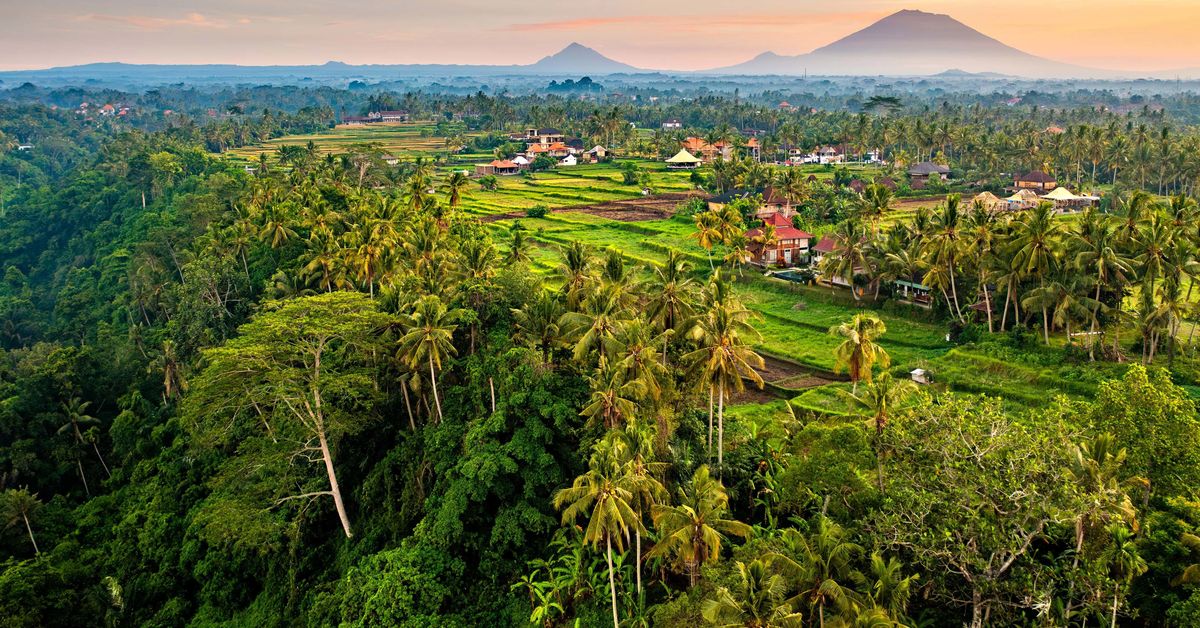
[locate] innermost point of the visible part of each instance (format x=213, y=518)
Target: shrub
x=537, y=211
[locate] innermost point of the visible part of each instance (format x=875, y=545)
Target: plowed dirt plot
x=784, y=375
x=656, y=207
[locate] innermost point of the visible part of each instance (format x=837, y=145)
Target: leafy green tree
x=283, y=394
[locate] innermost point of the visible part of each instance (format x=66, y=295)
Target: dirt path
x=657, y=207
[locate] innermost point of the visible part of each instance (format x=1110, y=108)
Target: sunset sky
x=667, y=34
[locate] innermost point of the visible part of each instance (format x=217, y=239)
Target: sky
x=660, y=34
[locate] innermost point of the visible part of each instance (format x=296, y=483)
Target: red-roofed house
x=499, y=167
x=790, y=246
x=708, y=152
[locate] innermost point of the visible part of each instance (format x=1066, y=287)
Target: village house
x=595, y=155
x=544, y=137
x=790, y=246
x=753, y=148
x=708, y=152
x=1036, y=180
x=1066, y=202
x=393, y=116
x=920, y=174
x=569, y=160
x=672, y=124
x=501, y=167
x=772, y=201
x=521, y=161
x=830, y=155
x=355, y=120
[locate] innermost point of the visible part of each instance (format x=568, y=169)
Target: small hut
x=1023, y=199
x=990, y=201
x=683, y=160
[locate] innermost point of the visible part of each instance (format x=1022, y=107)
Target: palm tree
x=878, y=401
x=538, y=321
x=428, y=337
x=724, y=358
x=874, y=202
x=1124, y=562
x=709, y=232
x=849, y=255
x=859, y=351
x=518, y=247
x=18, y=505
x=760, y=601
x=1036, y=238
x=576, y=273
x=75, y=411
x=456, y=185
x=671, y=294
x=982, y=232
x=819, y=566
x=613, y=399
x=693, y=530
x=640, y=472
x=944, y=243
x=599, y=494
x=888, y=589
x=1099, y=254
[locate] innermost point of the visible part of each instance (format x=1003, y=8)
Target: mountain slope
x=579, y=59
x=912, y=42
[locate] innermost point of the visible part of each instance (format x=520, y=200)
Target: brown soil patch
x=657, y=207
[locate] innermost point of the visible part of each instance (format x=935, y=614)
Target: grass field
x=405, y=140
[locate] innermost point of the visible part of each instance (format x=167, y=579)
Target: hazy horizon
x=671, y=35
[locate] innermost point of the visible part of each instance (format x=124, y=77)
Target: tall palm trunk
x=96, y=449
x=987, y=300
x=711, y=393
x=29, y=529
x=82, y=476
x=408, y=406
x=637, y=538
x=721, y=429
x=1095, y=320
x=433, y=384
x=1116, y=600
x=612, y=584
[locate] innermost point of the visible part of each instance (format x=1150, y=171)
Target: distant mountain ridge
x=905, y=43
x=912, y=42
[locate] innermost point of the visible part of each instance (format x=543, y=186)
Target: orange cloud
x=153, y=23
x=699, y=22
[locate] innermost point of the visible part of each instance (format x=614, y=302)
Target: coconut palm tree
x=640, y=473
x=888, y=589
x=693, y=530
x=859, y=351
x=75, y=411
x=709, y=232
x=874, y=202
x=614, y=399
x=518, y=247
x=599, y=495
x=456, y=185
x=538, y=322
x=576, y=273
x=1098, y=254
x=1124, y=562
x=878, y=401
x=820, y=567
x=671, y=292
x=944, y=244
x=760, y=601
x=429, y=338
x=849, y=255
x=18, y=505
x=724, y=358
x=1037, y=243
